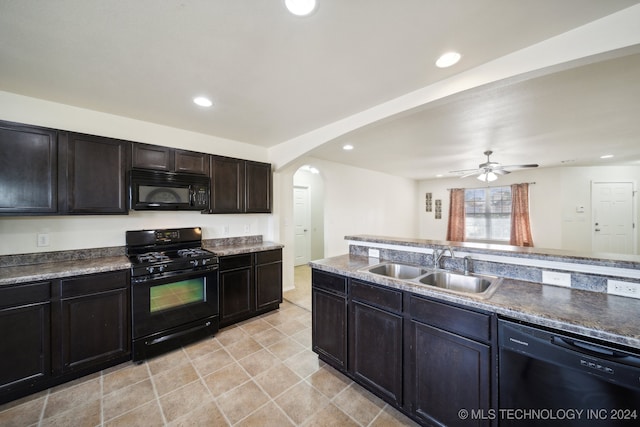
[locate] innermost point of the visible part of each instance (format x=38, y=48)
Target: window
x=487, y=214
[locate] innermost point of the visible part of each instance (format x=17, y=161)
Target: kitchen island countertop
x=591, y=314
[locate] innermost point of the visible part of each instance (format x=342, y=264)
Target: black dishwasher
x=549, y=378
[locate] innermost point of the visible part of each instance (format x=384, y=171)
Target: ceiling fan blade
x=471, y=173
x=465, y=171
x=531, y=165
x=500, y=171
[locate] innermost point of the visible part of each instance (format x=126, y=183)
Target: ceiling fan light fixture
x=487, y=177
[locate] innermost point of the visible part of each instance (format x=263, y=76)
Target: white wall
x=553, y=200
x=18, y=234
x=356, y=201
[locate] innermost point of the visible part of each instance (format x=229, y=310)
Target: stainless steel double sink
x=474, y=284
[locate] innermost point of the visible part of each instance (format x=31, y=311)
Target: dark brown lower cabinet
x=449, y=373
x=449, y=363
x=250, y=284
x=268, y=275
x=25, y=350
x=375, y=339
x=236, y=278
x=93, y=326
x=58, y=330
x=427, y=358
x=329, y=332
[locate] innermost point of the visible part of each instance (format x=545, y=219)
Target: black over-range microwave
x=156, y=190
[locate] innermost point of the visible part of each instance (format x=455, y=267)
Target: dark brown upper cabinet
x=227, y=185
x=94, y=170
x=240, y=186
x=155, y=157
x=258, y=187
x=28, y=170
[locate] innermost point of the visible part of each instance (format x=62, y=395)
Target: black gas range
x=160, y=253
x=174, y=289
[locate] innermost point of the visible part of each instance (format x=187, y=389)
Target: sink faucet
x=467, y=265
x=437, y=255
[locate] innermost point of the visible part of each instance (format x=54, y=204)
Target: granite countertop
x=56, y=265
x=243, y=248
x=592, y=314
x=54, y=270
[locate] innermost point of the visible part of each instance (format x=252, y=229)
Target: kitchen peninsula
x=415, y=345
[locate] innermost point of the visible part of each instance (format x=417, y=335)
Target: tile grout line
x=155, y=392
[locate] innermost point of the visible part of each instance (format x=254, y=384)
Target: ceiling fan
x=489, y=171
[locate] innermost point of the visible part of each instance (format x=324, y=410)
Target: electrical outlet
x=43, y=240
x=226, y=230
x=374, y=253
x=247, y=228
x=557, y=279
x=624, y=289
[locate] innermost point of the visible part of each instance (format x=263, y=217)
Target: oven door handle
x=177, y=334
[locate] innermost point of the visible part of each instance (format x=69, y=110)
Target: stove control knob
x=150, y=269
x=194, y=262
x=161, y=268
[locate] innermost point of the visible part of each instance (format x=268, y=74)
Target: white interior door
x=612, y=215
x=302, y=220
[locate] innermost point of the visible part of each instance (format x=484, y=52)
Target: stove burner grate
x=150, y=257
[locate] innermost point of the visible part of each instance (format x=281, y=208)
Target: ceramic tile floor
x=261, y=372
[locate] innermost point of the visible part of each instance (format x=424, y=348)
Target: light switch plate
x=624, y=289
x=556, y=278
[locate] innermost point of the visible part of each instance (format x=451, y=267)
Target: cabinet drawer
x=388, y=299
x=232, y=262
x=328, y=281
x=93, y=283
x=14, y=296
x=266, y=257
x=453, y=319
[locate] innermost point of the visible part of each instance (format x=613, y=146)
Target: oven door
x=174, y=309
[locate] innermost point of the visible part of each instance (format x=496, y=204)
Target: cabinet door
x=236, y=288
x=148, y=156
x=28, y=169
x=227, y=185
x=96, y=175
x=258, y=187
x=191, y=162
x=375, y=349
x=93, y=322
x=268, y=279
x=447, y=373
x=329, y=327
x=25, y=352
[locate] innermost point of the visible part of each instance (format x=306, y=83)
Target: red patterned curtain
x=520, y=224
x=455, y=229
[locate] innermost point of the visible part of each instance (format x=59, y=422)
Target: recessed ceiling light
x=202, y=101
x=300, y=7
x=347, y=147
x=439, y=175
x=448, y=59
x=606, y=156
